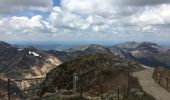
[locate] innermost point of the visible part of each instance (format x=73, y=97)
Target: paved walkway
x=150, y=86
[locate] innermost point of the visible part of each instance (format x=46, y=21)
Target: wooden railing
x=162, y=77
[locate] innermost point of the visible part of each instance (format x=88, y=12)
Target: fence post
x=128, y=82
x=124, y=90
x=167, y=80
x=75, y=78
x=160, y=79
x=156, y=76
x=101, y=87
x=101, y=91
x=118, y=92
x=9, y=90
x=81, y=87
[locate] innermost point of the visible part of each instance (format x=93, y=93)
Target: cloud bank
x=114, y=20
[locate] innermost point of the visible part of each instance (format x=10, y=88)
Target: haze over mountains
x=67, y=45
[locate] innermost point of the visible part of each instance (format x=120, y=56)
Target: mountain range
x=35, y=62
x=20, y=63
x=146, y=53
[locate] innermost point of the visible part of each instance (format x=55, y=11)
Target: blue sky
x=56, y=2
x=84, y=20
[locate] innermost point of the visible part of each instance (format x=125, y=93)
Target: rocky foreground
x=94, y=68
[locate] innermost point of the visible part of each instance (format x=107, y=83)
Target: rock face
x=121, y=52
x=107, y=66
x=36, y=63
x=17, y=63
x=62, y=55
x=147, y=53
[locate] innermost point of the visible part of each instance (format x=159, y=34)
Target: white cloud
x=55, y=16
x=108, y=8
x=89, y=6
x=153, y=15
x=61, y=19
x=22, y=25
x=90, y=19
x=147, y=29
x=141, y=2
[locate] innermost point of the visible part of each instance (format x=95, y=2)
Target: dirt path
x=150, y=86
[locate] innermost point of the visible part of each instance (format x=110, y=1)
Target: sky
x=84, y=20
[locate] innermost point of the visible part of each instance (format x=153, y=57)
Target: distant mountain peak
x=149, y=43
x=96, y=46
x=77, y=48
x=132, y=42
x=149, y=46
x=133, y=45
x=2, y=43
x=97, y=49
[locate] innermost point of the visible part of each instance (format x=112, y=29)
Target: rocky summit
x=91, y=66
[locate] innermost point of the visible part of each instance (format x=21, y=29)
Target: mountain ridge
x=148, y=53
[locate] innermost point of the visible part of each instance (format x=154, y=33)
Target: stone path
x=150, y=86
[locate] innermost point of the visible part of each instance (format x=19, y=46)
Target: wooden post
x=75, y=78
x=159, y=79
x=124, y=90
x=156, y=76
x=132, y=74
x=101, y=87
x=81, y=87
x=9, y=90
x=101, y=91
x=128, y=82
x=167, y=80
x=118, y=92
